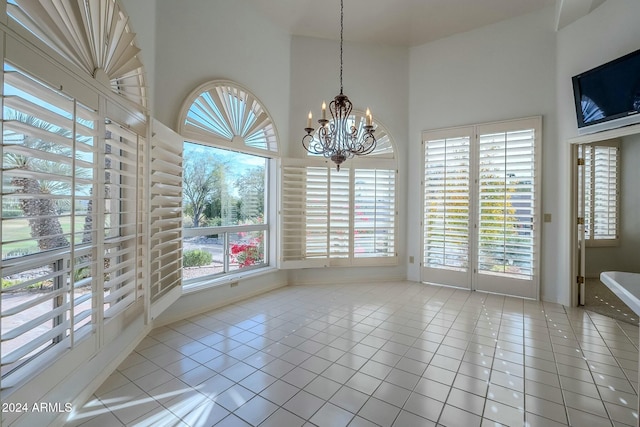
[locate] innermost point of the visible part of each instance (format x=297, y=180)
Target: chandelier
x=339, y=139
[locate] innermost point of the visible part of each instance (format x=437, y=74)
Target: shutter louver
x=374, y=213
x=123, y=153
x=293, y=213
x=92, y=35
x=223, y=110
x=303, y=217
x=316, y=211
x=601, y=192
x=48, y=171
x=506, y=205
x=339, y=214
x=165, y=219
x=446, y=203
x=344, y=218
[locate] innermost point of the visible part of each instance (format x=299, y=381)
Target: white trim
x=236, y=144
x=364, y=280
x=213, y=303
x=204, y=283
x=605, y=135
x=471, y=278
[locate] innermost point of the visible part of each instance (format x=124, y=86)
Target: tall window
x=73, y=195
x=481, y=207
x=70, y=188
x=229, y=140
x=340, y=218
x=602, y=191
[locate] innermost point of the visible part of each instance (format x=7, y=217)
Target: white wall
x=607, y=33
x=217, y=39
x=201, y=40
x=210, y=298
x=142, y=18
x=625, y=256
x=375, y=76
x=502, y=71
x=511, y=69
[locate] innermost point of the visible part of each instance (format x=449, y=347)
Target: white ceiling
x=392, y=22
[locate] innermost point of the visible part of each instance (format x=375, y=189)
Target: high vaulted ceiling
x=392, y=22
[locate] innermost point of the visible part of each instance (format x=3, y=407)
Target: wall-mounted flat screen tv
x=608, y=96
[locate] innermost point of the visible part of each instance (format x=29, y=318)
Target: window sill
x=601, y=243
x=205, y=284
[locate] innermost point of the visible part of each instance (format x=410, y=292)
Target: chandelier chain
x=341, y=39
x=343, y=136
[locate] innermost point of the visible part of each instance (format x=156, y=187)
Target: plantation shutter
x=601, y=192
x=374, y=213
x=303, y=216
x=446, y=202
x=336, y=218
x=339, y=213
x=165, y=219
x=481, y=206
x=123, y=153
x=506, y=202
x=49, y=163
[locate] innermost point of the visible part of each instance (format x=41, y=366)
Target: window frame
x=227, y=230
x=233, y=142
x=88, y=326
x=470, y=275
x=292, y=242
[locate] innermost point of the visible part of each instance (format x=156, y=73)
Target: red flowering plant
x=249, y=253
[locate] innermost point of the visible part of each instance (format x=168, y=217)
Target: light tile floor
x=386, y=354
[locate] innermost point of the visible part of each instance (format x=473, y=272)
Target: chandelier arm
x=315, y=145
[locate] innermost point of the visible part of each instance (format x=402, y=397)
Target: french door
x=481, y=207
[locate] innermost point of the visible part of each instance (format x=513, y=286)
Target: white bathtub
x=625, y=285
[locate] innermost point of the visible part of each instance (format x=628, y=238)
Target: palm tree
x=41, y=212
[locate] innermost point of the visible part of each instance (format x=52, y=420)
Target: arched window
x=341, y=218
x=229, y=139
x=93, y=35
x=223, y=113
x=73, y=181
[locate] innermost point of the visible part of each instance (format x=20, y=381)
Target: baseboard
x=355, y=280
x=166, y=320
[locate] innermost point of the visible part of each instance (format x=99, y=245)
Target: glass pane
x=246, y=249
x=202, y=256
x=37, y=165
x=222, y=187
x=34, y=310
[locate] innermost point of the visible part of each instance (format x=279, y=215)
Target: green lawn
x=18, y=229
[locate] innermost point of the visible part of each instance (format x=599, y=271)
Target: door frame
x=574, y=254
x=472, y=275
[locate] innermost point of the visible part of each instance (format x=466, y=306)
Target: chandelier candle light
x=339, y=139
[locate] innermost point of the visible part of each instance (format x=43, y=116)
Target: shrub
x=196, y=258
x=6, y=283
x=248, y=254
